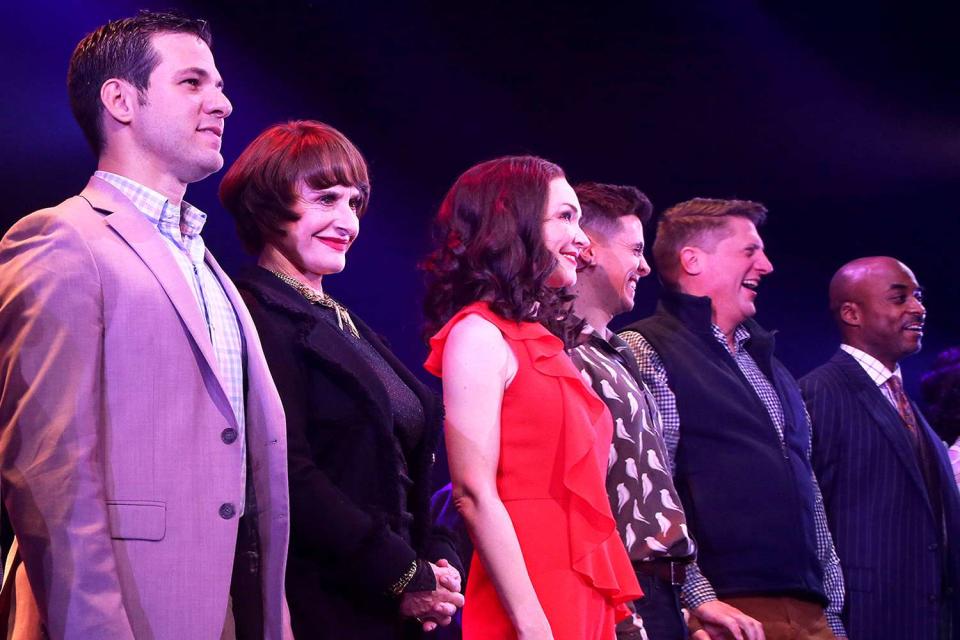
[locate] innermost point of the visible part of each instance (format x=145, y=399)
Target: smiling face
x=731, y=273
x=316, y=244
x=179, y=121
x=886, y=316
x=619, y=263
x=561, y=232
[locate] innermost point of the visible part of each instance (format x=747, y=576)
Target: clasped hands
x=435, y=608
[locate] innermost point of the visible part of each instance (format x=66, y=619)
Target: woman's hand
x=434, y=608
x=446, y=575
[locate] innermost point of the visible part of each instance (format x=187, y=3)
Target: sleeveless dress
x=554, y=441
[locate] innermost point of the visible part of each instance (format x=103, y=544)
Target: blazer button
x=933, y=546
x=227, y=511
x=229, y=435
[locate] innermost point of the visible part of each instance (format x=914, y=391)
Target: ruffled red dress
x=554, y=441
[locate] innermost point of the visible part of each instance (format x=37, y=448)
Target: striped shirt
x=180, y=226
x=696, y=588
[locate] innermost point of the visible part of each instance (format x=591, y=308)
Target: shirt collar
x=615, y=345
x=590, y=330
x=877, y=371
x=589, y=334
x=184, y=218
x=740, y=336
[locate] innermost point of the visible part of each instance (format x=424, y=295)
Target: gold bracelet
x=404, y=580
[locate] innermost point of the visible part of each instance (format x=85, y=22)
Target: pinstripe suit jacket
x=896, y=571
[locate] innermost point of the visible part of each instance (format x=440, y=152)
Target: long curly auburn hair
x=489, y=246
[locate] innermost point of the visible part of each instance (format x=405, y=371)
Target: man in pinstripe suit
x=890, y=499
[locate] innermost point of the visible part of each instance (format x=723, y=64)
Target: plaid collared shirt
x=876, y=370
x=180, y=228
x=696, y=588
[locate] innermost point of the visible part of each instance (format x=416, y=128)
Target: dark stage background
x=843, y=119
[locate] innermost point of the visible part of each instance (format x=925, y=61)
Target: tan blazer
x=113, y=467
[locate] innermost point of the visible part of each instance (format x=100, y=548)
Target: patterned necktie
x=903, y=404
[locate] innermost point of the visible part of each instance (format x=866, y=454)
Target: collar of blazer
x=887, y=418
x=143, y=238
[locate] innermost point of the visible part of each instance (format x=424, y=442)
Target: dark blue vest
x=749, y=499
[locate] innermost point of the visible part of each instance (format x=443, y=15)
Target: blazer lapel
x=144, y=239
x=937, y=448
x=255, y=363
x=248, y=331
x=325, y=343
x=885, y=416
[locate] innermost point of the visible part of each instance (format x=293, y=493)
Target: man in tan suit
x=142, y=446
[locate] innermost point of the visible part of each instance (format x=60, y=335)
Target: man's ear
x=120, y=99
x=587, y=258
x=691, y=260
x=850, y=314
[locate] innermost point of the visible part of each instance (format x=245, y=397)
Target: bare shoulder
x=477, y=344
x=476, y=330
x=475, y=336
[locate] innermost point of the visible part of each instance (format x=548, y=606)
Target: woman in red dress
x=527, y=441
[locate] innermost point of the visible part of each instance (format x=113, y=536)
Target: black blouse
x=408, y=417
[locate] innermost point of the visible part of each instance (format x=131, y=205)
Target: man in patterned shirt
x=642, y=495
x=887, y=484
x=142, y=441
x=735, y=426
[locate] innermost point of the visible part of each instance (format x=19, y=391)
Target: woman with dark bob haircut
x=364, y=561
x=527, y=440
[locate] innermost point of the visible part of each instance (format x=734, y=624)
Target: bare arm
x=477, y=367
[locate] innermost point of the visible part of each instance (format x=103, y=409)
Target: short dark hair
x=120, y=49
x=698, y=222
x=603, y=205
x=260, y=188
x=489, y=246
x=941, y=393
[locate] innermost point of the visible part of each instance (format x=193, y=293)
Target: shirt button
x=229, y=435
x=933, y=547
x=227, y=511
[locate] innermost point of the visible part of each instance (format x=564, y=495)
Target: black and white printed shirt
x=643, y=499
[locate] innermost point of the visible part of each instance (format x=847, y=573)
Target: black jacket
x=345, y=491
x=749, y=500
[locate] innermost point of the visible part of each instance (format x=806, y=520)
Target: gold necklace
x=315, y=297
